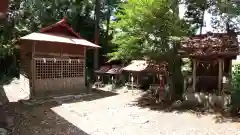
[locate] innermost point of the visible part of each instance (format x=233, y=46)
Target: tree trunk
x=228, y=19
x=174, y=66
x=202, y=23
x=108, y=22
x=96, y=35
x=175, y=6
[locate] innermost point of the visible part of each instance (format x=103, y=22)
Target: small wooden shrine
x=211, y=56
x=139, y=71
x=53, y=59
x=100, y=75
x=115, y=74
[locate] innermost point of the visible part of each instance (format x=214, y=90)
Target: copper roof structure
x=210, y=44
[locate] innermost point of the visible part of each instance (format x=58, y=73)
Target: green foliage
x=150, y=29
x=144, y=29
x=236, y=77
x=26, y=16
x=225, y=13
x=235, y=92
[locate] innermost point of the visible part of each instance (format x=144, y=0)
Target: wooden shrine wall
x=58, y=74
x=55, y=68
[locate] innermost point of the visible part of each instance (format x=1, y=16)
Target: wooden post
x=84, y=69
x=154, y=78
x=220, y=69
x=230, y=74
x=61, y=54
x=194, y=75
x=137, y=80
x=129, y=77
x=32, y=90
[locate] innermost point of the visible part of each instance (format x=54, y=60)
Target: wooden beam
x=85, y=66
x=58, y=54
x=219, y=54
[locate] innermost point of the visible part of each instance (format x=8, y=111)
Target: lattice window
x=72, y=68
x=58, y=68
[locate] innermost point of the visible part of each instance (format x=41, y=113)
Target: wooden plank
x=58, y=54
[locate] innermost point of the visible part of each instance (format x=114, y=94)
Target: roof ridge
x=62, y=23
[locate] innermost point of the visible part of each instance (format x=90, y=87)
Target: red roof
x=57, y=28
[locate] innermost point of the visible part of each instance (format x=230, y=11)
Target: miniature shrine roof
x=103, y=69
x=142, y=65
x=115, y=70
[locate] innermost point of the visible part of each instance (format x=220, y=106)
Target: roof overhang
x=58, y=38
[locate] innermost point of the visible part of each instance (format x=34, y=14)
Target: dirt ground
x=107, y=113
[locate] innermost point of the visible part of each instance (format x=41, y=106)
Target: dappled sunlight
x=15, y=95
x=14, y=91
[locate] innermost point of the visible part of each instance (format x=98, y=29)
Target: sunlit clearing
x=70, y=116
x=17, y=89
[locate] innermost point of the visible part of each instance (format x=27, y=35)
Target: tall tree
x=139, y=35
x=96, y=34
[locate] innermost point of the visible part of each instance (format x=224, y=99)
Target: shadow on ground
x=39, y=119
x=147, y=101
x=95, y=94
x=3, y=101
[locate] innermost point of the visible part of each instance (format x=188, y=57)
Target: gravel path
x=112, y=115
x=116, y=116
